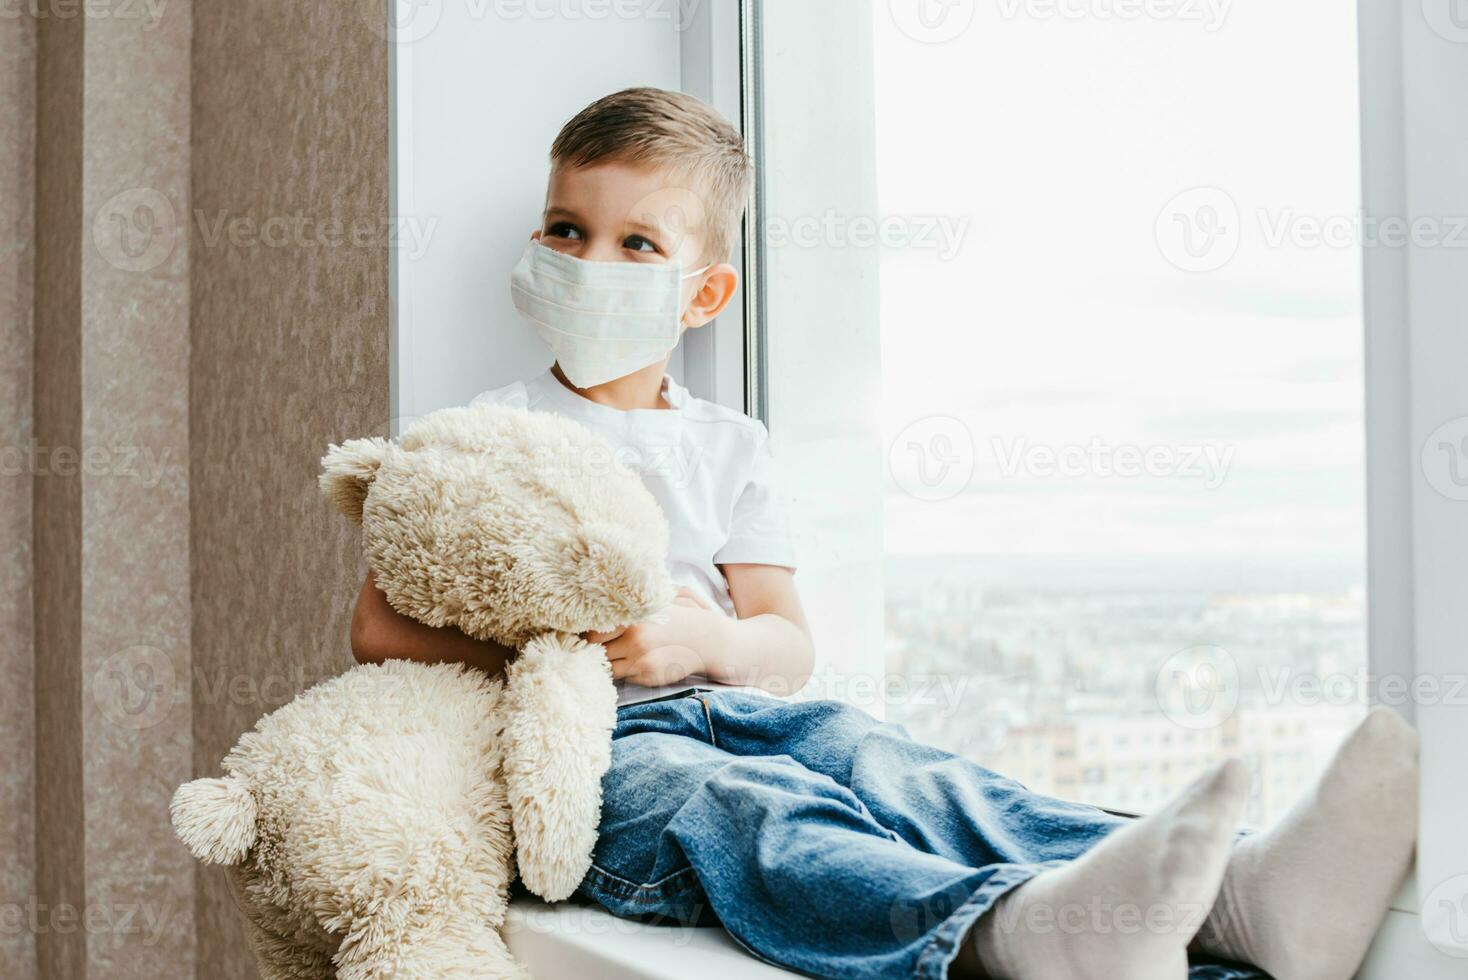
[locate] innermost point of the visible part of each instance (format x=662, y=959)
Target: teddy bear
x=372, y=827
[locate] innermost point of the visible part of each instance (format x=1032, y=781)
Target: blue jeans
x=825, y=841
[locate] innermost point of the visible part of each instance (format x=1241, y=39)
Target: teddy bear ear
x=215, y=819
x=347, y=471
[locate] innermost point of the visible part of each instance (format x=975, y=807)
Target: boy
x=823, y=840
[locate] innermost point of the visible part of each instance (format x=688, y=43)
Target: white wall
x=480, y=89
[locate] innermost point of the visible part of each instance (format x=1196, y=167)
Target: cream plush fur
x=373, y=825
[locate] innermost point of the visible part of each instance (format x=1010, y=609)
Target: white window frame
x=1414, y=153
x=722, y=362
x=815, y=383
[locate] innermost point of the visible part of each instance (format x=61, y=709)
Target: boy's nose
x=603, y=250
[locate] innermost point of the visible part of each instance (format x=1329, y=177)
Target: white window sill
x=1401, y=951
x=571, y=940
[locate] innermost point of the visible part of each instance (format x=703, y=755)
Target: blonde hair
x=667, y=129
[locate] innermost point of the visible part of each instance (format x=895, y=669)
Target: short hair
x=667, y=129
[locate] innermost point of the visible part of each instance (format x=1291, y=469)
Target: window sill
x=571, y=940
x=1401, y=951
x=583, y=940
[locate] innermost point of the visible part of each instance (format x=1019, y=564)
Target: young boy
x=823, y=840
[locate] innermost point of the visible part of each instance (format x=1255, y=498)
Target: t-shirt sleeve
x=759, y=532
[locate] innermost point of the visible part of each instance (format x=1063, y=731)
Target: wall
x=289, y=325
x=470, y=172
x=479, y=95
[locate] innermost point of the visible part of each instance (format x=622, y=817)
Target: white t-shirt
x=710, y=470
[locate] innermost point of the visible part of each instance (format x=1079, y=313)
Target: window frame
x=1415, y=536
x=752, y=118
x=802, y=383
x=719, y=53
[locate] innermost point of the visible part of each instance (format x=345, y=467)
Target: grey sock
x=1129, y=907
x=1304, y=899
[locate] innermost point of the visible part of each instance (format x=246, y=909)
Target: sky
x=1086, y=301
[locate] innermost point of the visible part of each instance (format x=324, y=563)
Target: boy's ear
x=347, y=471
x=717, y=290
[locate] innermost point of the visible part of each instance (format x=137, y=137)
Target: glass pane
x=1122, y=388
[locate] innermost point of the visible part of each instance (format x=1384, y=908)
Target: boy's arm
x=768, y=646
x=380, y=632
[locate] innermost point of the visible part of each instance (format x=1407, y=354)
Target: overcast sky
x=1061, y=319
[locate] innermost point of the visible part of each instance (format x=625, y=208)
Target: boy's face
x=620, y=212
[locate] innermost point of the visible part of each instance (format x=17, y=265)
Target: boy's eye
x=564, y=229
x=639, y=244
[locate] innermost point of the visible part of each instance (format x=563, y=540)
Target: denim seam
x=942, y=946
x=709, y=718
x=679, y=881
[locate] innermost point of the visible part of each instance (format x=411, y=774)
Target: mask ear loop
x=696, y=272
x=690, y=275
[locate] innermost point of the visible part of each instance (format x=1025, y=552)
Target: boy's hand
x=654, y=654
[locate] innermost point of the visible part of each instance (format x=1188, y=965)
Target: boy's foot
x=1303, y=900
x=1130, y=906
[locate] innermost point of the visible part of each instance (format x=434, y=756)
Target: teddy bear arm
x=277, y=956
x=423, y=944
x=560, y=708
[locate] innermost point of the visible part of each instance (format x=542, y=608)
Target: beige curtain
x=182, y=332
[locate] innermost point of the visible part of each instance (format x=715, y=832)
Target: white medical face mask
x=603, y=320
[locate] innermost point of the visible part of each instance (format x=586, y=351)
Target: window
x=1121, y=357
x=1135, y=468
